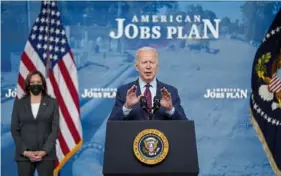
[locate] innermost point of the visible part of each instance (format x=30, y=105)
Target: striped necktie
x=148, y=97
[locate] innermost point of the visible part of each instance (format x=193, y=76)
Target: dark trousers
x=44, y=168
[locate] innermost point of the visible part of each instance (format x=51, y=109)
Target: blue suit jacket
x=137, y=113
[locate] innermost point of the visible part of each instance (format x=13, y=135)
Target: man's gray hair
x=145, y=48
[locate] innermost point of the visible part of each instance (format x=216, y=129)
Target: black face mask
x=36, y=89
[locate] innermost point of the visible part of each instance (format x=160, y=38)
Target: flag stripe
x=276, y=88
x=20, y=91
x=275, y=77
x=27, y=62
x=73, y=74
x=21, y=78
x=59, y=152
x=56, y=162
x=63, y=144
x=64, y=109
x=66, y=133
x=275, y=80
x=67, y=98
x=21, y=81
x=275, y=84
x=50, y=88
x=69, y=84
x=34, y=58
x=72, y=57
x=20, y=88
x=23, y=70
x=70, y=65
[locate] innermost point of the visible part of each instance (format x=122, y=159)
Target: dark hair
x=28, y=79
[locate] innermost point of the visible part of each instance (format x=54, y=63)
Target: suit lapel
x=138, y=87
x=27, y=107
x=158, y=89
x=43, y=106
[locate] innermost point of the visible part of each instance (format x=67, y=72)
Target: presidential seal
x=151, y=146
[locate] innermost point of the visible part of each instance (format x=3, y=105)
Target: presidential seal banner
x=266, y=94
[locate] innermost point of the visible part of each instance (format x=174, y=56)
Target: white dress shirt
x=152, y=89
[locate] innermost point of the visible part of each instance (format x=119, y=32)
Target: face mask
x=36, y=89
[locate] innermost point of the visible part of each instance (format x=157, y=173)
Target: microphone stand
x=156, y=107
x=151, y=115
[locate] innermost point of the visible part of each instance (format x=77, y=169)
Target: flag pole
x=28, y=15
x=48, y=39
x=48, y=44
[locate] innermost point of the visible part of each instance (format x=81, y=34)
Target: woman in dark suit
x=34, y=127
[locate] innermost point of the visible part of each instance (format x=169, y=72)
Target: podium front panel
x=119, y=158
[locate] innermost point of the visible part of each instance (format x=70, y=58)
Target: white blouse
x=35, y=108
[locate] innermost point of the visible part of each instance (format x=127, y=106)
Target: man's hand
x=131, y=98
x=166, y=100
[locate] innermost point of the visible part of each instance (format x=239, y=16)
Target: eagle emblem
x=270, y=91
x=151, y=146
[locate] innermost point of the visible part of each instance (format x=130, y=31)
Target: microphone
x=156, y=106
x=143, y=102
x=143, y=105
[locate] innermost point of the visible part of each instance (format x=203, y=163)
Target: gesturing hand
x=166, y=100
x=132, y=98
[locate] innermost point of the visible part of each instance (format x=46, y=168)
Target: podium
x=150, y=148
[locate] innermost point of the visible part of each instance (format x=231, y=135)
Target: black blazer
x=139, y=114
x=35, y=134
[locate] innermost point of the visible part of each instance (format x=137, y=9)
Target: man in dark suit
x=127, y=105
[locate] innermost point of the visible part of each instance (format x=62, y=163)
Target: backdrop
x=206, y=50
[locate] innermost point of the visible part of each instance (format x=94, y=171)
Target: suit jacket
x=35, y=134
x=137, y=113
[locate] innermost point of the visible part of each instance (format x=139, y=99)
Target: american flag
x=275, y=84
x=47, y=50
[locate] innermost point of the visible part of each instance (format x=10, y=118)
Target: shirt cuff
x=171, y=112
x=126, y=111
